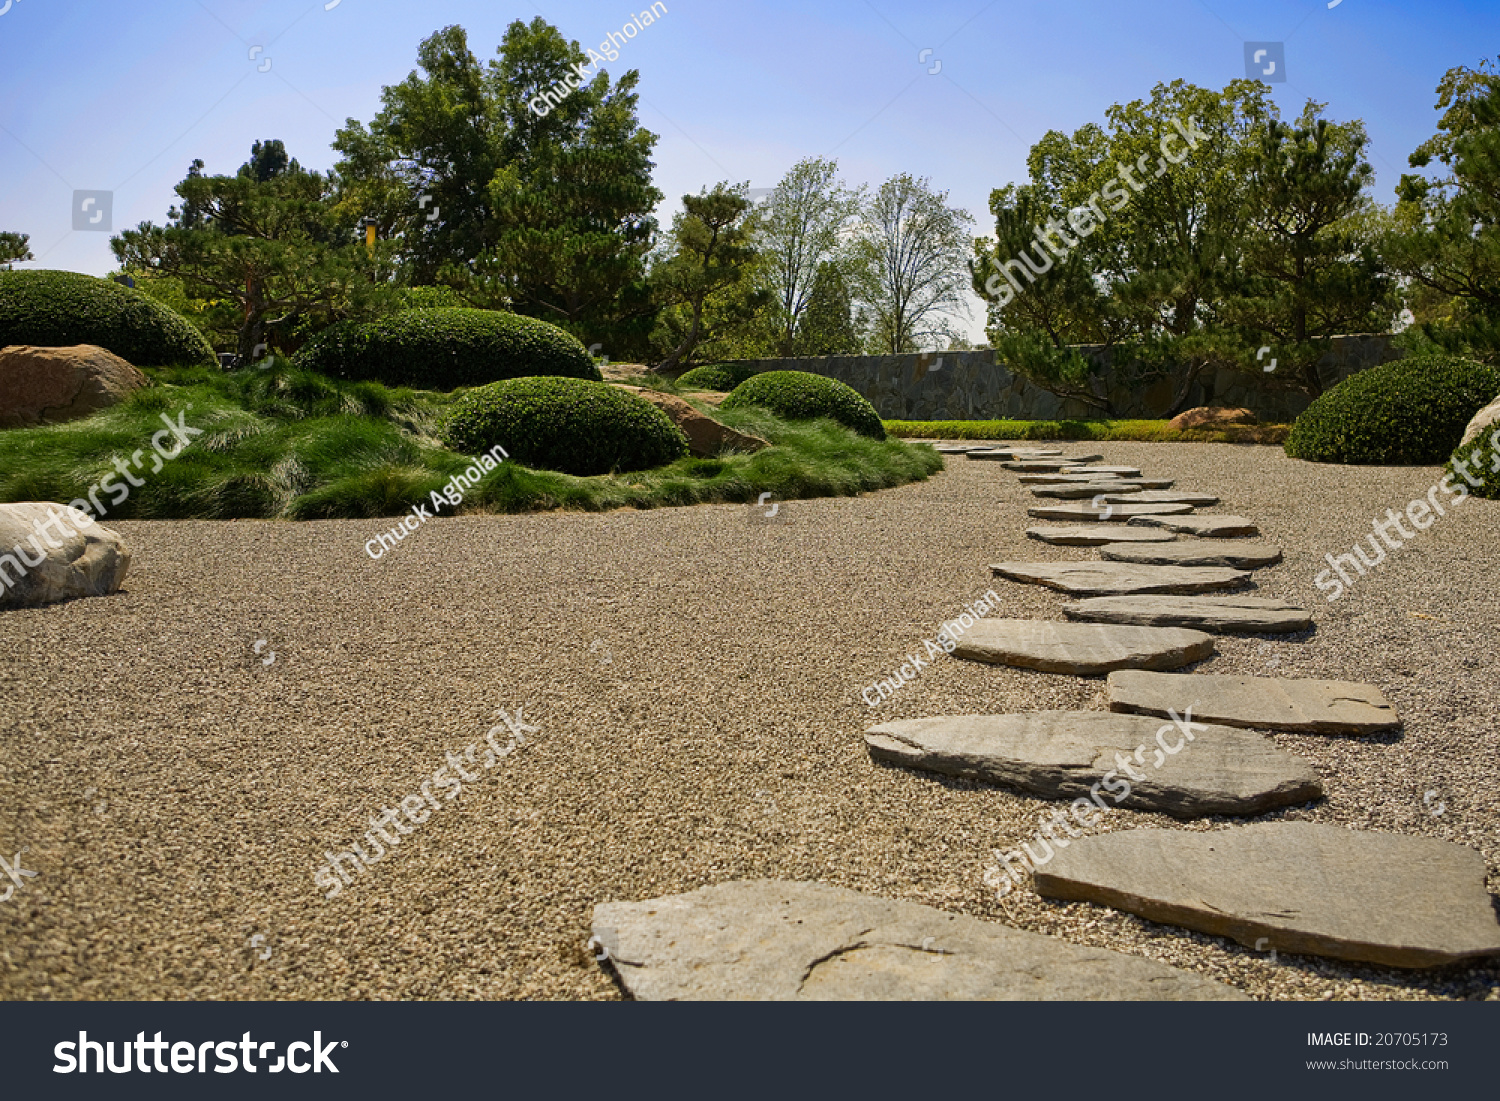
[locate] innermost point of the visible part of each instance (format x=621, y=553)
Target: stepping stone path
x=1270, y=703
x=1303, y=887
x=1085, y=513
x=768, y=940
x=1219, y=614
x=1163, y=497
x=1120, y=578
x=1235, y=555
x=1090, y=490
x=1096, y=535
x=1083, y=649
x=1008, y=453
x=1072, y=754
x=1208, y=527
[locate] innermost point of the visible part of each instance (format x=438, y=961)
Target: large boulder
x=51, y=552
x=48, y=385
x=1482, y=422
x=706, y=436
x=1211, y=416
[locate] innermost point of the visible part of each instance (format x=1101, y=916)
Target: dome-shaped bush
x=798, y=395
x=571, y=425
x=719, y=376
x=57, y=309
x=443, y=349
x=1410, y=412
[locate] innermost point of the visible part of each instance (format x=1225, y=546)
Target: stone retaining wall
x=972, y=386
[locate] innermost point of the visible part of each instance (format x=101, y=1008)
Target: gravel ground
x=695, y=674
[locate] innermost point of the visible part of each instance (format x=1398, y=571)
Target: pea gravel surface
x=176, y=759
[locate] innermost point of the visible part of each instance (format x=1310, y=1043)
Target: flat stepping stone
x=1221, y=615
x=770, y=940
x=1006, y=454
x=1069, y=754
x=1082, y=649
x=1162, y=497
x=951, y=449
x=1028, y=465
x=1269, y=703
x=1086, y=512
x=1089, y=490
x=1235, y=555
x=1208, y=527
x=1303, y=887
x=1117, y=471
x=1093, y=479
x=1097, y=535
x=1120, y=578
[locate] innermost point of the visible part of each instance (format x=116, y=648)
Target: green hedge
x=571, y=425
x=57, y=309
x=719, y=376
x=799, y=395
x=1137, y=430
x=443, y=349
x=1411, y=412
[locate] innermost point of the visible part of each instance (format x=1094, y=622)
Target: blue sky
x=121, y=97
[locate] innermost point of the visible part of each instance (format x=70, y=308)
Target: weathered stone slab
x=1303, y=887
x=51, y=552
x=1270, y=703
x=1086, y=512
x=1072, y=754
x=1026, y=465
x=1236, y=555
x=1100, y=479
x=1120, y=578
x=1096, y=535
x=1007, y=454
x=1220, y=614
x=1082, y=649
x=1208, y=527
x=1086, y=491
x=1164, y=497
x=1118, y=471
x=770, y=940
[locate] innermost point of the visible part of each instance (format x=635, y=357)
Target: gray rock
x=770, y=940
x=1235, y=555
x=1071, y=754
x=1223, y=615
x=1120, y=578
x=1208, y=527
x=1481, y=422
x=1073, y=491
x=1270, y=703
x=87, y=560
x=1166, y=497
x=1302, y=887
x=1086, y=512
x=1082, y=649
x=1096, y=535
x=1034, y=466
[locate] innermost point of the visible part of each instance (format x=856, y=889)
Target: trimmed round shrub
x=572, y=425
x=719, y=376
x=443, y=349
x=1411, y=412
x=799, y=396
x=57, y=309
